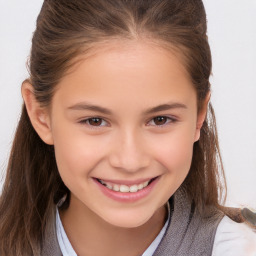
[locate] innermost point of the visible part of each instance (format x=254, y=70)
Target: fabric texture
x=188, y=233
x=50, y=246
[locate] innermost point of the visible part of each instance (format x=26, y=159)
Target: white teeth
x=124, y=188
x=145, y=183
x=140, y=186
x=134, y=188
x=116, y=187
x=109, y=186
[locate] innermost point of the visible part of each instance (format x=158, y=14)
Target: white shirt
x=234, y=239
x=231, y=239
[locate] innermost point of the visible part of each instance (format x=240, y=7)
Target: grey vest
x=188, y=233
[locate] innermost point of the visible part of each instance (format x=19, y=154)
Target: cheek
x=76, y=154
x=175, y=152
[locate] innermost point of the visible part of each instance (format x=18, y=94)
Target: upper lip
x=127, y=182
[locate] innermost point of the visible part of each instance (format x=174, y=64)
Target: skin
x=126, y=144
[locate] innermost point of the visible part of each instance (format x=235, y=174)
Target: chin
x=127, y=219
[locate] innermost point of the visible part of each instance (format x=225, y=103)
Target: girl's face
x=125, y=119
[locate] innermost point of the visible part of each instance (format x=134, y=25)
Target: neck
x=86, y=231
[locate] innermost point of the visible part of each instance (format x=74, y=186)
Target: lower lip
x=129, y=196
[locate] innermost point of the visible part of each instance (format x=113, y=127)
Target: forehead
x=137, y=70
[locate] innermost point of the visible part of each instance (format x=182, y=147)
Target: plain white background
x=232, y=36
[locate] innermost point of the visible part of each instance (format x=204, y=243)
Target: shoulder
x=234, y=239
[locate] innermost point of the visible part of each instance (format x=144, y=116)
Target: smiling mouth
x=125, y=188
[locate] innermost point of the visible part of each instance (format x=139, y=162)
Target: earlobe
x=202, y=116
x=38, y=115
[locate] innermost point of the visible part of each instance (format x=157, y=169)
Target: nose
x=129, y=152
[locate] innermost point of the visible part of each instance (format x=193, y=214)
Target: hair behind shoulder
x=66, y=29
x=27, y=196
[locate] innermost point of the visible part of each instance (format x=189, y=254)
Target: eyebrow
x=167, y=106
x=89, y=106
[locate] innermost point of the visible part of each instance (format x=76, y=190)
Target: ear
x=39, y=116
x=201, y=116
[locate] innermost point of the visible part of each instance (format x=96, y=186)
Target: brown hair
x=66, y=29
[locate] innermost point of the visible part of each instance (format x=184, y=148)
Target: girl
x=116, y=151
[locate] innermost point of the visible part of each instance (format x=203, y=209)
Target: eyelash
x=168, y=120
x=87, y=122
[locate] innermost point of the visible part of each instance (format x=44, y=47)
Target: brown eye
x=95, y=121
x=160, y=120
